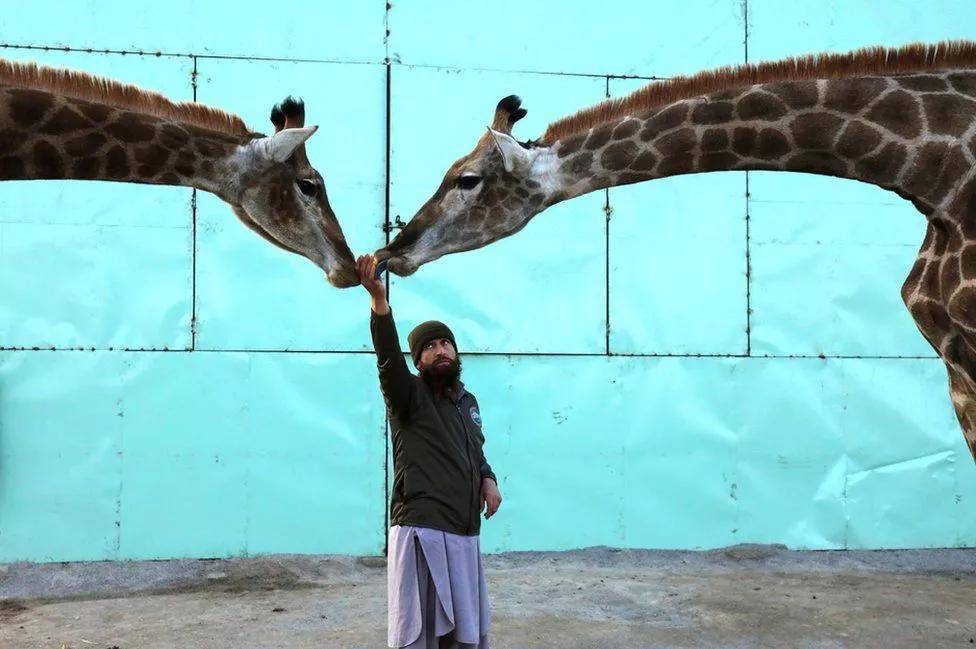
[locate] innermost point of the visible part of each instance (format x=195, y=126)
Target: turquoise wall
x=173, y=386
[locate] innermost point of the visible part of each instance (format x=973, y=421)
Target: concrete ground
x=745, y=596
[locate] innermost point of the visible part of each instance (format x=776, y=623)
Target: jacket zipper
x=467, y=454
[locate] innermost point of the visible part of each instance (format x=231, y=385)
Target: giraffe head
x=487, y=194
x=276, y=192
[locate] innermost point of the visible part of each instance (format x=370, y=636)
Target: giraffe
x=60, y=124
x=903, y=119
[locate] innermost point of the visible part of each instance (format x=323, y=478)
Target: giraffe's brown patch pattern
x=625, y=129
x=761, y=106
x=930, y=280
x=898, y=112
x=578, y=164
x=664, y=120
x=717, y=112
x=86, y=167
x=96, y=113
x=715, y=139
x=173, y=137
x=858, y=139
x=964, y=204
x=964, y=82
x=930, y=316
x=949, y=275
x=131, y=128
x=923, y=83
x=796, y=94
x=531, y=184
x=629, y=177
x=721, y=161
x=949, y=114
x=598, y=137
x=924, y=172
x=912, y=280
x=64, y=121
x=814, y=131
x=10, y=141
x=675, y=164
x=12, y=167
x=883, y=166
x=744, y=140
x=727, y=95
x=680, y=141
x=772, y=144
x=818, y=162
x=619, y=155
x=852, y=95
x=571, y=145
x=47, y=160
x=28, y=107
x=644, y=162
x=152, y=154
x=169, y=178
x=968, y=259
x=116, y=163
x=962, y=305
x=84, y=145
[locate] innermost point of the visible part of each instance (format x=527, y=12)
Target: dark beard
x=442, y=376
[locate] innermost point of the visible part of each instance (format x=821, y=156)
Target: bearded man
x=437, y=595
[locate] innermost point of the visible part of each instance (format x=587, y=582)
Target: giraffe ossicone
x=60, y=124
x=903, y=119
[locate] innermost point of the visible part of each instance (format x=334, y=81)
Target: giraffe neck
x=912, y=134
x=47, y=136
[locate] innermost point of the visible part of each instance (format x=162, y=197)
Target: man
x=438, y=598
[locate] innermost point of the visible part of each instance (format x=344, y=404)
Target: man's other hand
x=491, y=499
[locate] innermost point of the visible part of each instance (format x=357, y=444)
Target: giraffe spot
x=664, y=120
x=570, y=145
x=532, y=184
x=169, y=178
x=772, y=144
x=520, y=191
x=964, y=82
x=925, y=168
x=207, y=167
x=930, y=316
x=146, y=171
x=680, y=141
x=84, y=145
x=116, y=163
x=152, y=154
x=858, y=139
x=131, y=127
x=63, y=121
x=86, y=167
x=882, y=167
x=952, y=169
x=962, y=305
x=206, y=148
x=964, y=204
x=625, y=129
x=490, y=197
x=796, y=94
x=715, y=139
x=630, y=177
x=47, y=161
x=618, y=155
x=173, y=137
x=852, y=95
x=97, y=113
x=898, y=112
x=11, y=167
x=949, y=114
x=578, y=164
x=950, y=272
x=721, y=161
x=28, y=107
x=744, y=141
x=969, y=262
x=712, y=113
x=644, y=162
x=675, y=164
x=598, y=137
x=817, y=162
x=10, y=140
x=535, y=200
x=930, y=280
x=762, y=106
x=815, y=130
x=923, y=83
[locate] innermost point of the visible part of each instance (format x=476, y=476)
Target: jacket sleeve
x=396, y=380
x=486, y=471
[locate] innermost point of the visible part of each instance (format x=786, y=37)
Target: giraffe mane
x=89, y=87
x=914, y=57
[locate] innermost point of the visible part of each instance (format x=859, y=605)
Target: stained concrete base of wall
x=744, y=596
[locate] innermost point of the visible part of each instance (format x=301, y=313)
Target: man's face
x=437, y=356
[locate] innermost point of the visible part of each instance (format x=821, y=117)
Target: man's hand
x=491, y=499
x=375, y=287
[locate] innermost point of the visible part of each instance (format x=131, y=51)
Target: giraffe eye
x=307, y=187
x=468, y=182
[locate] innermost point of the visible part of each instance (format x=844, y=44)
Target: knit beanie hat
x=424, y=333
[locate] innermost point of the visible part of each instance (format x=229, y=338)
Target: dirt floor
x=745, y=596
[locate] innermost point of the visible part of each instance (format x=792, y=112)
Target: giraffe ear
x=514, y=155
x=280, y=146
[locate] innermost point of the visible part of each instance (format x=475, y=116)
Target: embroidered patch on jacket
x=475, y=415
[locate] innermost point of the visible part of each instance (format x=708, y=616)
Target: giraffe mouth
x=396, y=264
